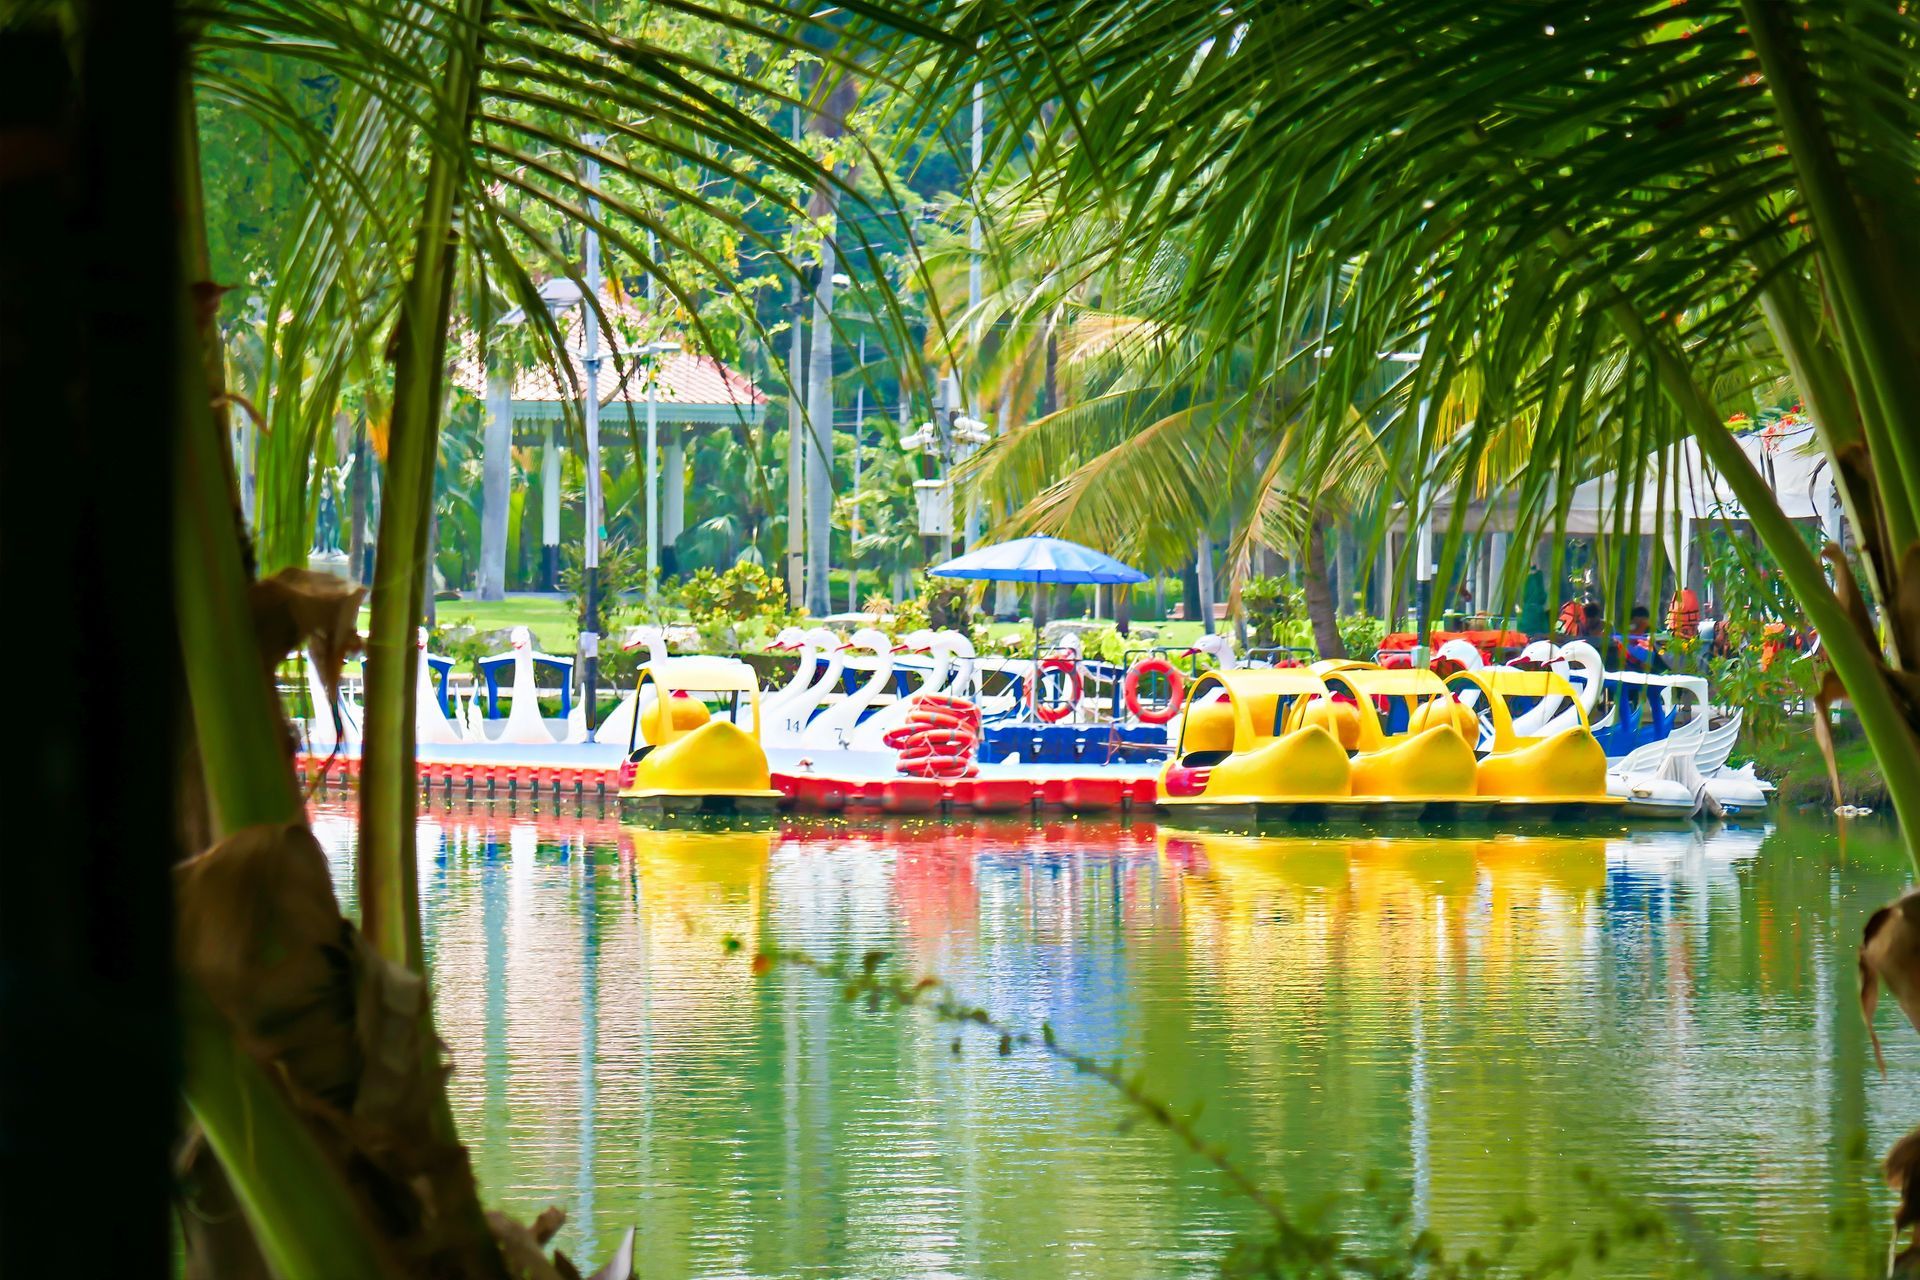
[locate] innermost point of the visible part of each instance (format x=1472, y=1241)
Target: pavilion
x=1680, y=492
x=529, y=407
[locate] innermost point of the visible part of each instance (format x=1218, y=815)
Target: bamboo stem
x=236, y=716
x=279, y=1174
x=388, y=880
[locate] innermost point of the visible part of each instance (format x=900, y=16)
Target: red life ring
x=938, y=739
x=1061, y=711
x=1176, y=691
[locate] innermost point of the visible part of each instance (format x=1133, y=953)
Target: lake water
x=1427, y=1031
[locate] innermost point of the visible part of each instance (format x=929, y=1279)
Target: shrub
x=744, y=598
x=1771, y=687
x=1276, y=614
x=1362, y=634
x=622, y=568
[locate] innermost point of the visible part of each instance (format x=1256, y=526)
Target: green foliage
x=1276, y=614
x=1362, y=634
x=909, y=615
x=622, y=567
x=1583, y=241
x=1773, y=688
x=946, y=602
x=726, y=606
x=1745, y=584
x=1106, y=644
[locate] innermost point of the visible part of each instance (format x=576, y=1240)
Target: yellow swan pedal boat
x=1564, y=770
x=1233, y=758
x=699, y=761
x=1413, y=756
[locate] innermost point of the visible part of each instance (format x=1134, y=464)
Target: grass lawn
x=1165, y=633
x=554, y=625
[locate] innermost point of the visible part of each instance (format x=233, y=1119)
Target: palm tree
x=445, y=169
x=1137, y=461
x=1615, y=220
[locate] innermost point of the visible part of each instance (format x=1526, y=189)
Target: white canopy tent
x=1679, y=489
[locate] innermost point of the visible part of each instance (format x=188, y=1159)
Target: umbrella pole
x=1033, y=680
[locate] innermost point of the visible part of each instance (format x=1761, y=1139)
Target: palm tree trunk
x=1203, y=569
x=86, y=978
x=1321, y=609
x=357, y=502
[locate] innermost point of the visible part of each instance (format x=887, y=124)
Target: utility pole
x=820, y=440
x=796, y=496
x=853, y=522
x=1203, y=567
x=590, y=362
x=653, y=451
x=975, y=242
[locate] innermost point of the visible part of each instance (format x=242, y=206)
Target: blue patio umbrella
x=1039, y=558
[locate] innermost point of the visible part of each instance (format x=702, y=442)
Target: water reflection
x=1467, y=1019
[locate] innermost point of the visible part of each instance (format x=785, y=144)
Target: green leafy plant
x=946, y=602
x=1361, y=634
x=1772, y=685
x=1276, y=614
x=622, y=568
x=745, y=598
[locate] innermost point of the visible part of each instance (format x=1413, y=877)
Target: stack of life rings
x=1176, y=691
x=938, y=739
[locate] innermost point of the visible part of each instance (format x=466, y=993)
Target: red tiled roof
x=687, y=381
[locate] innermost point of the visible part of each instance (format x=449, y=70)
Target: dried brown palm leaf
x=1902, y=1168
x=1848, y=590
x=302, y=608
x=1831, y=691
x=1890, y=953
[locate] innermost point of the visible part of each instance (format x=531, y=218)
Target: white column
x=675, y=467
x=496, y=485
x=550, y=503
x=859, y=431
x=820, y=440
x=796, y=431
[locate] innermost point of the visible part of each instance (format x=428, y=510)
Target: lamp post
x=653, y=351
x=590, y=363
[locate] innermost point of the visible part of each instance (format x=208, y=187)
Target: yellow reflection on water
x=1467, y=1017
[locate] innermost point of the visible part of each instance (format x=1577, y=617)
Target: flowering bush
x=726, y=606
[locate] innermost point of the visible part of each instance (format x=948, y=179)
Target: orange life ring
x=1176, y=691
x=1051, y=714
